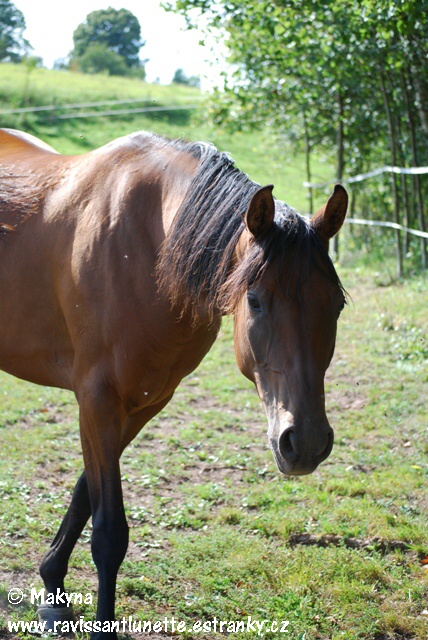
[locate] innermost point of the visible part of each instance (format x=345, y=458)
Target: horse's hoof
x=50, y=615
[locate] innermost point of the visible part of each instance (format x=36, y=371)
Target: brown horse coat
x=115, y=269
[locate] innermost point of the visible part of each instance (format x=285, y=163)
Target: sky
x=51, y=23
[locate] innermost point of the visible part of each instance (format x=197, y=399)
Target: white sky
x=51, y=23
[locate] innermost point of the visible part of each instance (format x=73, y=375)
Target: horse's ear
x=261, y=211
x=329, y=219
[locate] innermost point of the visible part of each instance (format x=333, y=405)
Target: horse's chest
x=159, y=369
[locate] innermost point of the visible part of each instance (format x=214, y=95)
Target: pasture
x=215, y=531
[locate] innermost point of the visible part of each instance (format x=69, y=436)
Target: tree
x=181, y=78
x=117, y=30
x=98, y=58
x=13, y=46
x=351, y=78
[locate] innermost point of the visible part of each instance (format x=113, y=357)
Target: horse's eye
x=342, y=306
x=253, y=302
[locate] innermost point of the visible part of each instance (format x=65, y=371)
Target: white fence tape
x=391, y=225
x=53, y=107
x=370, y=174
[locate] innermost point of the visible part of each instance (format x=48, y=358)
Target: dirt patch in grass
x=393, y=636
x=376, y=544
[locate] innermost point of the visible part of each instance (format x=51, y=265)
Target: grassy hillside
x=256, y=153
x=21, y=88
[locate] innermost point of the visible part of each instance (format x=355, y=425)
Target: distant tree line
x=181, y=78
x=350, y=78
x=108, y=41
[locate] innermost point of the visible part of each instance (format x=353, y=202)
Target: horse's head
x=285, y=324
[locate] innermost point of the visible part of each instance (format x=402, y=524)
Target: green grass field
x=215, y=531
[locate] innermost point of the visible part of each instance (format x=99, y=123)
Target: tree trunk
x=340, y=158
x=415, y=162
x=401, y=152
x=393, y=176
x=308, y=164
x=421, y=87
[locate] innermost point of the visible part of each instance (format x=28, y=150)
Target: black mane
x=194, y=265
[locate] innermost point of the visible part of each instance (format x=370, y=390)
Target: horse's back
x=13, y=142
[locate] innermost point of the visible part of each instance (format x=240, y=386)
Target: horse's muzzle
x=297, y=456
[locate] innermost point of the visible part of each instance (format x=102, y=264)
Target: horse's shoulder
x=13, y=141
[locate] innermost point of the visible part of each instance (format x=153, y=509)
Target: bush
x=98, y=58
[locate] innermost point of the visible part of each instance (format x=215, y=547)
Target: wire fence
x=54, y=110
x=78, y=105
x=412, y=171
x=389, y=225
x=115, y=112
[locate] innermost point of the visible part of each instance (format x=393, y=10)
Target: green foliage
x=98, y=58
x=12, y=25
x=115, y=30
x=295, y=58
x=328, y=75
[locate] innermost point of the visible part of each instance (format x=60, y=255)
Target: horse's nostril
x=289, y=447
x=286, y=447
x=329, y=447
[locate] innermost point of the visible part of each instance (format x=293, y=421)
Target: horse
x=116, y=269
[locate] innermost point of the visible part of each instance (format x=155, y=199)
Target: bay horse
x=116, y=268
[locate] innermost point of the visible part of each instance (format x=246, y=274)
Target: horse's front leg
x=101, y=419
x=53, y=568
x=54, y=565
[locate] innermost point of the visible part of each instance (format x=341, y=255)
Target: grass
x=213, y=525
x=19, y=88
x=215, y=531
